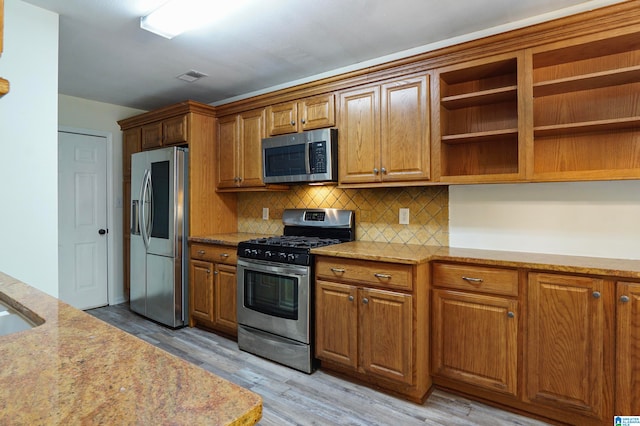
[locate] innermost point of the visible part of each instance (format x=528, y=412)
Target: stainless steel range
x=275, y=285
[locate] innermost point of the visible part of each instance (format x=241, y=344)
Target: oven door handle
x=273, y=267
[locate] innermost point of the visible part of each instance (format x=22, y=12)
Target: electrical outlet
x=265, y=213
x=403, y=216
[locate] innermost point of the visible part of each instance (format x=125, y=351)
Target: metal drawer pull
x=365, y=300
x=338, y=270
x=472, y=280
x=224, y=255
x=350, y=298
x=386, y=276
x=511, y=314
x=624, y=299
x=200, y=251
x=596, y=294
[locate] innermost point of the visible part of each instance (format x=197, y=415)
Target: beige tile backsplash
x=376, y=211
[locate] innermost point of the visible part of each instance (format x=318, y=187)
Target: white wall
x=600, y=219
x=83, y=114
x=29, y=143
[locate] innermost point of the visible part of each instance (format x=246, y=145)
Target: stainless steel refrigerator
x=159, y=231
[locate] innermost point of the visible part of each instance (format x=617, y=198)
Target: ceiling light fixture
x=177, y=16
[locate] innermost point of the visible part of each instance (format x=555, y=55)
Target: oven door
x=274, y=297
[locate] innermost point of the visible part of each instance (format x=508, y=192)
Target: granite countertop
x=416, y=254
x=76, y=369
x=231, y=239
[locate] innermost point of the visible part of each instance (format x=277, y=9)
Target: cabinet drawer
x=383, y=274
x=213, y=253
x=476, y=278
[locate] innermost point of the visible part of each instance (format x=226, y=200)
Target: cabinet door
x=336, y=323
x=317, y=112
x=282, y=118
x=251, y=126
x=568, y=319
x=227, y=152
x=405, y=130
x=386, y=330
x=475, y=339
x=628, y=349
x=359, y=147
x=174, y=130
x=225, y=296
x=201, y=290
x=152, y=136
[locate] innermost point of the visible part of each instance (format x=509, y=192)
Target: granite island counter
x=76, y=369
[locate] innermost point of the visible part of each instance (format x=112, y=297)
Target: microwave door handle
x=307, y=160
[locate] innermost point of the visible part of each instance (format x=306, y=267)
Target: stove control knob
x=291, y=256
x=254, y=252
x=283, y=255
x=247, y=252
x=268, y=254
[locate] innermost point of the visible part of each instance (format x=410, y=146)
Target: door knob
x=102, y=231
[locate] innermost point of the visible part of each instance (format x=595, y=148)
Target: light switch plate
x=265, y=213
x=403, y=216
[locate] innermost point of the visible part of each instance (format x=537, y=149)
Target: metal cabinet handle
x=350, y=298
x=224, y=255
x=200, y=251
x=385, y=276
x=596, y=294
x=472, y=280
x=303, y=121
x=338, y=270
x=208, y=271
x=375, y=170
x=624, y=299
x=511, y=314
x=293, y=123
x=215, y=272
x=365, y=300
x=384, y=171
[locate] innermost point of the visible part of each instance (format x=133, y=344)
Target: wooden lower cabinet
x=569, y=347
x=212, y=288
x=627, y=349
x=372, y=332
x=475, y=340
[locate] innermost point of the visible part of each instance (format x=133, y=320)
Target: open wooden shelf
x=482, y=97
x=480, y=137
x=586, y=127
x=588, y=81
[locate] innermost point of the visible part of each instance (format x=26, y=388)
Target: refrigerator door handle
x=134, y=225
x=144, y=228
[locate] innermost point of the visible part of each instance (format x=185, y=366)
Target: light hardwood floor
x=294, y=398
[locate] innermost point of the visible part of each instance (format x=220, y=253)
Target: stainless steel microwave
x=305, y=157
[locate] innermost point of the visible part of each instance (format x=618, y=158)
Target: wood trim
x=622, y=15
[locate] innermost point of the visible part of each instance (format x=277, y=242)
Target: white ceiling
x=105, y=56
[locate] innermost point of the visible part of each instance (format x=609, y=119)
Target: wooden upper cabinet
x=570, y=345
x=240, y=150
x=384, y=132
x=586, y=112
x=305, y=114
x=152, y=136
x=481, y=120
x=174, y=130
x=628, y=349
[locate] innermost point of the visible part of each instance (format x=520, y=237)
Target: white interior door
x=82, y=220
